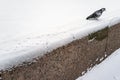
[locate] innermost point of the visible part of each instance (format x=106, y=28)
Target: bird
x=96, y=14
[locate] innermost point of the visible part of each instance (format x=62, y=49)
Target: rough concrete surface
x=69, y=61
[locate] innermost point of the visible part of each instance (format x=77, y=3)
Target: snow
x=107, y=70
x=31, y=28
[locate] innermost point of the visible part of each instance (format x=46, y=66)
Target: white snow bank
x=109, y=69
x=30, y=28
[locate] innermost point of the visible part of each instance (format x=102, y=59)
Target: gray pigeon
x=96, y=14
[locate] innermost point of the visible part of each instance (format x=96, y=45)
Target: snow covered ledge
x=71, y=57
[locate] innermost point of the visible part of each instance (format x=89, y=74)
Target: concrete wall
x=70, y=61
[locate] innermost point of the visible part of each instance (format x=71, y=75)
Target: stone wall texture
x=69, y=61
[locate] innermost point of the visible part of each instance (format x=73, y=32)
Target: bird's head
x=103, y=9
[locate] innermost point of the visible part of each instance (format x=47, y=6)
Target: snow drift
x=31, y=28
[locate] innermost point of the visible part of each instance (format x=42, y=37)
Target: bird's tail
x=87, y=18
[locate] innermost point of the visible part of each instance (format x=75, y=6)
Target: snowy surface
x=30, y=28
x=109, y=69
